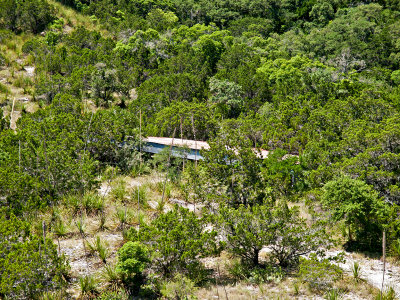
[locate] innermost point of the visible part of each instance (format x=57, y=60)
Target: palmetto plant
x=100, y=247
x=356, y=270
x=88, y=286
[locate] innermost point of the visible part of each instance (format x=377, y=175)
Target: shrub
x=124, y=216
x=111, y=277
x=30, y=45
x=53, y=295
x=133, y=258
x=81, y=226
x=22, y=82
x=91, y=203
x=356, y=270
x=180, y=287
x=177, y=239
x=254, y=275
x=389, y=294
x=29, y=265
x=118, y=191
x=33, y=15
x=395, y=248
x=332, y=294
x=3, y=60
x=74, y=203
x=60, y=229
x=320, y=274
x=102, y=221
x=142, y=197
x=356, y=203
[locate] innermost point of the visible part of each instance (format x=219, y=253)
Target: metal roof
x=195, y=145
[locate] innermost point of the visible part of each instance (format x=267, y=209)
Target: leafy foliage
x=249, y=229
x=177, y=239
x=319, y=273
x=356, y=203
x=29, y=265
x=32, y=16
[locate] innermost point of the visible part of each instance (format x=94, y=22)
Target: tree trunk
x=255, y=257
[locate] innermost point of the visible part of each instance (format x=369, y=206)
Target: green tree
x=227, y=97
x=161, y=20
x=283, y=173
x=162, y=91
x=30, y=15
x=356, y=203
x=234, y=169
x=249, y=229
x=29, y=265
x=322, y=12
x=133, y=259
x=177, y=240
x=104, y=84
x=179, y=116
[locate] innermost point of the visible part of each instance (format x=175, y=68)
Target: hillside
x=87, y=213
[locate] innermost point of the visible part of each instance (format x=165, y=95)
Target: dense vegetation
x=315, y=82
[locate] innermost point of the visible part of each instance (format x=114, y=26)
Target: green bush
x=111, y=277
x=32, y=15
x=358, y=204
x=22, y=82
x=389, y=294
x=143, y=195
x=180, y=287
x=100, y=247
x=133, y=258
x=3, y=60
x=332, y=294
x=28, y=265
x=320, y=274
x=395, y=248
x=60, y=229
x=177, y=240
x=73, y=202
x=30, y=46
x=118, y=191
x=124, y=216
x=93, y=203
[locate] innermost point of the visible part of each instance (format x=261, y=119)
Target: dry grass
x=74, y=19
x=289, y=288
x=15, y=80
